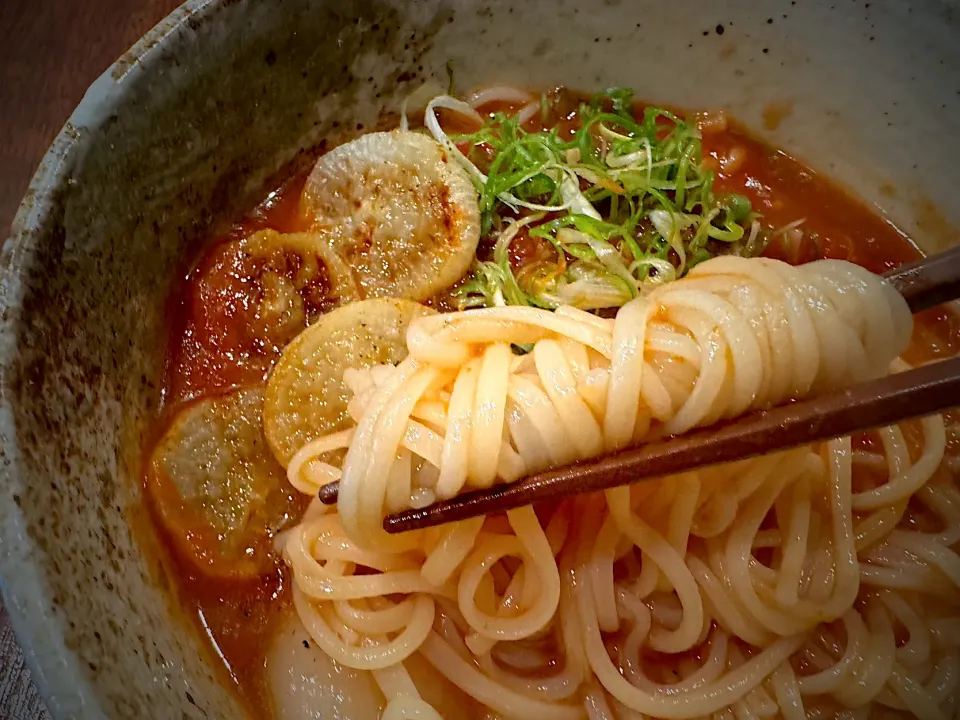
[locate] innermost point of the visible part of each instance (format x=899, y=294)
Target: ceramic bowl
x=185, y=130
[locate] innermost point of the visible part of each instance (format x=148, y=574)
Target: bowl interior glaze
x=184, y=131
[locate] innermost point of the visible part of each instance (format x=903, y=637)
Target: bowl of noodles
x=423, y=249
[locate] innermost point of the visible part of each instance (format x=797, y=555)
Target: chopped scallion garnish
x=624, y=200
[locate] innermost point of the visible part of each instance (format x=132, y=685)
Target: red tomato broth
x=237, y=618
x=205, y=357
x=237, y=615
x=206, y=352
x=209, y=349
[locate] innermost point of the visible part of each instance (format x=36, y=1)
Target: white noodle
x=671, y=566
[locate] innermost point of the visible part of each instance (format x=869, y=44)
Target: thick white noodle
x=790, y=585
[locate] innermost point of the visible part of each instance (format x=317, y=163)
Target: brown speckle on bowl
x=141, y=178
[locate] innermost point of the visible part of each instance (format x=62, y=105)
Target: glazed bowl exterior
x=180, y=135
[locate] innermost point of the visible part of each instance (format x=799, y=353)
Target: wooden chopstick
x=923, y=391
x=928, y=282
x=869, y=405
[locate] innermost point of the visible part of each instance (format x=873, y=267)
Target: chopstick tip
x=328, y=493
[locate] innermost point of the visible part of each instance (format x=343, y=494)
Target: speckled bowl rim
x=55, y=669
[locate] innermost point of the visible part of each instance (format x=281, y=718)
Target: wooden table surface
x=50, y=51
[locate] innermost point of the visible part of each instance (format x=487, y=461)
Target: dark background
x=50, y=51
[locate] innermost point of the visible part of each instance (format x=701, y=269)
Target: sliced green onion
x=629, y=202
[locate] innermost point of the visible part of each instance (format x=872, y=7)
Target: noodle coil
x=775, y=585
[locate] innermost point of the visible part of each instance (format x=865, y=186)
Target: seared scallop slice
x=398, y=211
x=306, y=396
x=218, y=489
